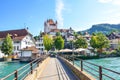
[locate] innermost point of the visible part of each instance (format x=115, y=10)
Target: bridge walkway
x=56, y=70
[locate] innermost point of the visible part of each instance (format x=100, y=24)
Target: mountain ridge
x=104, y=28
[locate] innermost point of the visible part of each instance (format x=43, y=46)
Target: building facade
x=21, y=39
x=40, y=45
x=114, y=39
x=49, y=25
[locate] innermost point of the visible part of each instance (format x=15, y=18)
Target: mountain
x=104, y=28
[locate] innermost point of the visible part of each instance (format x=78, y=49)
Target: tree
x=47, y=41
x=57, y=33
x=99, y=41
x=80, y=43
x=7, y=46
x=59, y=42
x=36, y=37
x=75, y=34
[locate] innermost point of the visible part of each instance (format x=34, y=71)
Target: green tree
x=47, y=41
x=99, y=41
x=36, y=37
x=80, y=43
x=57, y=33
x=75, y=34
x=59, y=42
x=118, y=47
x=7, y=46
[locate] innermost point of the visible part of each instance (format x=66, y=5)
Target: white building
x=87, y=36
x=21, y=39
x=65, y=33
x=40, y=45
x=29, y=53
x=49, y=25
x=114, y=39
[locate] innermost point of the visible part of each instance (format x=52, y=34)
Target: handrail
x=27, y=67
x=100, y=70
x=8, y=75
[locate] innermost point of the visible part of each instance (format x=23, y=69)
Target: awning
x=79, y=50
x=65, y=50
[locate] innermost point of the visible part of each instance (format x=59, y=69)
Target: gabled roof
x=15, y=34
x=113, y=36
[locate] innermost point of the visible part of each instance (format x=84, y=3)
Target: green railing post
x=16, y=75
x=31, y=68
x=100, y=73
x=81, y=65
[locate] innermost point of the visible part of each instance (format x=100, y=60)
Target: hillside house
x=114, y=40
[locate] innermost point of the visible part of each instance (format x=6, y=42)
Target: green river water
x=110, y=63
x=8, y=67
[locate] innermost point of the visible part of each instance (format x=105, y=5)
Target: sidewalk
x=56, y=70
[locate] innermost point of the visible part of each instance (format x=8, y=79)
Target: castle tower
x=49, y=25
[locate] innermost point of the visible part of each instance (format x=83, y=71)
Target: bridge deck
x=56, y=70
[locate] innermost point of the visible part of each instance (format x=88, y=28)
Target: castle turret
x=49, y=25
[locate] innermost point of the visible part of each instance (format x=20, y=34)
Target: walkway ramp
x=56, y=70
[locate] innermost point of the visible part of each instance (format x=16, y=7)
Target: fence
x=23, y=72
x=99, y=72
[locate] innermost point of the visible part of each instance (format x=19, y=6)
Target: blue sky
x=78, y=14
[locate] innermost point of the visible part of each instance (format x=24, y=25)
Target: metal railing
x=24, y=71
x=99, y=72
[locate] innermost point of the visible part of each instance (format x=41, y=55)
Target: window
x=42, y=49
x=26, y=42
x=17, y=47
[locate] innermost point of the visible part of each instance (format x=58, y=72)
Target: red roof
x=51, y=22
x=15, y=34
x=32, y=48
x=59, y=30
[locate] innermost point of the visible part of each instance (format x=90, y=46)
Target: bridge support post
x=100, y=73
x=16, y=75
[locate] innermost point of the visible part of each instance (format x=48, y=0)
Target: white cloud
x=114, y=2
x=104, y=1
x=59, y=9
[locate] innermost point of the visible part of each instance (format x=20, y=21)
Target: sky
x=78, y=14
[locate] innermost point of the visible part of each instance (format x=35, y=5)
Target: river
x=8, y=67
x=111, y=63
